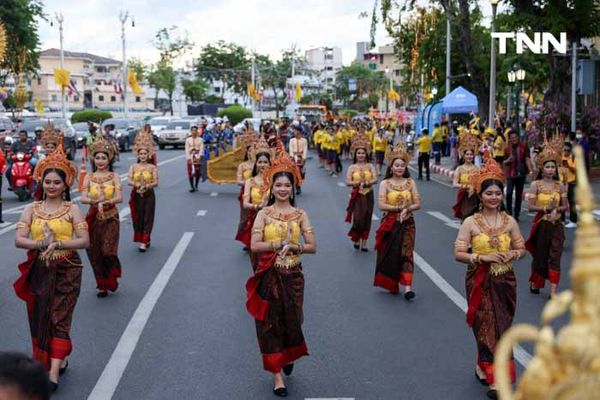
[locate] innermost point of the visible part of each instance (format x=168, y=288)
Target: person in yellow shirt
x=379, y=147
x=318, y=141
x=568, y=165
x=332, y=145
x=437, y=139
x=499, y=147
x=424, y=143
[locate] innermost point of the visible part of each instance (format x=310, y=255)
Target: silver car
x=174, y=134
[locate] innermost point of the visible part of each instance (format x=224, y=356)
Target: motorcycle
x=22, y=175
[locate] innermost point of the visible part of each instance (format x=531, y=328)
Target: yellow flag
x=133, y=82
x=298, y=91
x=393, y=95
x=253, y=93
x=62, y=77
x=39, y=106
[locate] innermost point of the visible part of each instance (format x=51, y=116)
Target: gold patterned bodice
x=256, y=193
x=490, y=241
x=105, y=184
x=146, y=175
x=399, y=194
x=59, y=221
x=466, y=174
x=547, y=194
x=362, y=175
x=247, y=174
x=277, y=228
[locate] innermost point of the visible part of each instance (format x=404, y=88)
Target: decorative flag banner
x=62, y=77
x=298, y=91
x=39, y=106
x=393, y=95
x=133, y=82
x=253, y=93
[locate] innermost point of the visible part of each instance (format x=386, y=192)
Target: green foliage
x=10, y=103
x=20, y=20
x=194, y=89
x=92, y=115
x=138, y=66
x=235, y=113
x=163, y=77
x=227, y=62
x=322, y=99
x=348, y=113
x=369, y=83
x=213, y=99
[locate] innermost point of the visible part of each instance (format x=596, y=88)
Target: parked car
x=125, y=131
x=82, y=131
x=174, y=134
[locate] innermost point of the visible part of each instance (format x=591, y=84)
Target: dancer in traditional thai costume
x=102, y=191
x=50, y=139
x=466, y=200
x=143, y=177
x=244, y=172
x=194, y=153
x=361, y=176
x=395, y=238
x=256, y=194
x=275, y=293
x=299, y=151
x=51, y=230
x=496, y=242
x=547, y=197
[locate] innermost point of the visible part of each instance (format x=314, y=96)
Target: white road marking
x=201, y=213
x=5, y=224
x=341, y=184
x=124, y=213
x=433, y=178
x=375, y=217
x=521, y=355
x=132, y=158
x=446, y=220
x=214, y=194
x=113, y=372
x=8, y=229
x=329, y=398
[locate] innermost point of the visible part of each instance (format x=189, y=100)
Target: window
x=329, y=68
x=138, y=99
x=381, y=59
x=328, y=56
x=217, y=89
x=113, y=98
x=372, y=67
x=100, y=98
x=75, y=98
x=397, y=72
x=39, y=80
x=54, y=97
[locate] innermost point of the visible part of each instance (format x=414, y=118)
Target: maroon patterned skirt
x=51, y=293
x=104, y=247
x=360, y=212
x=142, y=208
x=465, y=204
x=243, y=219
x=545, y=243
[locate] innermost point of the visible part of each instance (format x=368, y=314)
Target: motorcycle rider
x=23, y=145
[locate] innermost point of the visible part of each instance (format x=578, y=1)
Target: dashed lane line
x=446, y=220
x=113, y=371
x=521, y=355
x=214, y=194
x=201, y=213
x=124, y=213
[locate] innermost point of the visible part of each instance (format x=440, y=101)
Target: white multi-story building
x=326, y=62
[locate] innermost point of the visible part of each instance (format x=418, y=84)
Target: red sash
x=351, y=204
x=477, y=291
x=386, y=226
x=255, y=304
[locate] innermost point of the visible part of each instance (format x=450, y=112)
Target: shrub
x=235, y=113
x=90, y=115
x=348, y=113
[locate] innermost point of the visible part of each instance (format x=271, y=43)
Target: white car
x=159, y=123
x=174, y=134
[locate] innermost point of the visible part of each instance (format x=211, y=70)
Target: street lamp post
x=493, y=69
x=511, y=80
x=520, y=75
x=63, y=96
x=574, y=87
x=123, y=17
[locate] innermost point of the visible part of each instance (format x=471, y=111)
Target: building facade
x=325, y=62
x=383, y=60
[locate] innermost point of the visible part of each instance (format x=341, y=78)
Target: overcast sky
x=265, y=25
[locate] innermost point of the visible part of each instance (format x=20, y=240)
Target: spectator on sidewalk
x=21, y=378
x=424, y=143
x=438, y=140
x=517, y=166
x=568, y=163
x=584, y=142
x=499, y=146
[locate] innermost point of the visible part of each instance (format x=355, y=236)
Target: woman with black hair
x=361, y=176
x=547, y=197
x=51, y=230
x=244, y=172
x=102, y=191
x=395, y=238
x=256, y=193
x=495, y=242
x=466, y=200
x=275, y=293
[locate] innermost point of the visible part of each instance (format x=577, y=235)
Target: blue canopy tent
x=459, y=101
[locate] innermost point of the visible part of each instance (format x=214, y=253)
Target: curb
x=438, y=169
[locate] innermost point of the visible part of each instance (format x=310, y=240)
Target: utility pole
x=492, y=109
x=448, y=54
x=63, y=96
x=253, y=74
x=123, y=17
x=574, y=87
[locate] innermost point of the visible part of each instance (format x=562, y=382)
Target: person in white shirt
x=194, y=152
x=298, y=151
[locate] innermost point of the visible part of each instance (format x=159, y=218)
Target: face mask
x=579, y=136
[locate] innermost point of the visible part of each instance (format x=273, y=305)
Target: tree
x=369, y=84
x=227, y=62
x=20, y=20
x=164, y=77
x=194, y=89
x=140, y=69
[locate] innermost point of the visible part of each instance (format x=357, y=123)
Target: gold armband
x=308, y=230
x=519, y=243
x=22, y=224
x=81, y=226
x=461, y=244
x=257, y=230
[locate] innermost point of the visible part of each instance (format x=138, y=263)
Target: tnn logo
x=539, y=44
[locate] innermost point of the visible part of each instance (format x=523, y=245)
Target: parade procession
x=209, y=216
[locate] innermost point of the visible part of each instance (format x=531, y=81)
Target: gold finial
x=566, y=365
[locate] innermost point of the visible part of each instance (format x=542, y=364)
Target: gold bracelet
x=273, y=246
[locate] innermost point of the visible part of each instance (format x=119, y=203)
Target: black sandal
x=356, y=246
x=280, y=392
x=483, y=381
x=533, y=289
x=409, y=295
x=288, y=369
x=492, y=394
x=62, y=370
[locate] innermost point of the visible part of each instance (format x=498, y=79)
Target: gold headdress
x=552, y=150
x=260, y=146
x=468, y=141
x=491, y=170
x=565, y=365
x=51, y=135
x=248, y=138
x=283, y=163
x=102, y=146
x=360, y=141
x=144, y=141
x=56, y=160
x=398, y=151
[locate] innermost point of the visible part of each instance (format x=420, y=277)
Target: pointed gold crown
x=360, y=140
x=490, y=170
x=102, y=146
x=260, y=146
x=282, y=163
x=552, y=150
x=468, y=141
x=50, y=135
x=399, y=150
x=144, y=141
x=56, y=160
x=248, y=138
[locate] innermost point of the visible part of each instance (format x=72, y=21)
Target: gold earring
x=64, y=196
